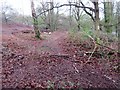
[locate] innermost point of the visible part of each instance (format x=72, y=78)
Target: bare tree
x=77, y=13
x=56, y=18
x=7, y=13
x=94, y=10
x=70, y=12
x=49, y=16
x=42, y=7
x=35, y=20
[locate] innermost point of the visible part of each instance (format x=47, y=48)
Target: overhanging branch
x=78, y=6
x=88, y=12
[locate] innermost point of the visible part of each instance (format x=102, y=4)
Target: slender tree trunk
x=56, y=19
x=35, y=21
x=78, y=14
x=97, y=19
x=70, y=18
x=52, y=27
x=51, y=16
x=118, y=20
x=5, y=18
x=108, y=16
x=118, y=30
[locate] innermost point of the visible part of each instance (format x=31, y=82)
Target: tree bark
x=70, y=13
x=4, y=17
x=77, y=14
x=118, y=20
x=97, y=19
x=51, y=16
x=108, y=16
x=35, y=21
x=119, y=33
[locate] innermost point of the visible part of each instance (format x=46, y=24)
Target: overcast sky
x=23, y=6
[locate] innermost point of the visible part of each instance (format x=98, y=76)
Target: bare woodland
x=72, y=45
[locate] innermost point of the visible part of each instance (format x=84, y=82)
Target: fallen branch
x=93, y=49
x=75, y=68
x=95, y=43
x=107, y=47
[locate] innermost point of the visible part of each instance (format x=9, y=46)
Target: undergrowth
x=106, y=45
x=102, y=38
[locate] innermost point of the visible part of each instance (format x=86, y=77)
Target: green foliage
x=83, y=36
x=108, y=28
x=86, y=22
x=98, y=40
x=78, y=36
x=50, y=85
x=86, y=30
x=40, y=20
x=62, y=85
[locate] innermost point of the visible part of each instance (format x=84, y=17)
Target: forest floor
x=53, y=62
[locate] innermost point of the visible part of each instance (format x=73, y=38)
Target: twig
x=76, y=68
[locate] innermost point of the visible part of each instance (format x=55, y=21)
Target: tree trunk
x=118, y=33
x=5, y=18
x=97, y=19
x=51, y=16
x=52, y=27
x=77, y=13
x=70, y=13
x=56, y=19
x=108, y=16
x=118, y=20
x=35, y=21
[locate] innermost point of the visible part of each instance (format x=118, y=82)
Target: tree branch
x=107, y=47
x=88, y=12
x=78, y=6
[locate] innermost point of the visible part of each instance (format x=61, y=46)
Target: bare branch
x=88, y=12
x=78, y=6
